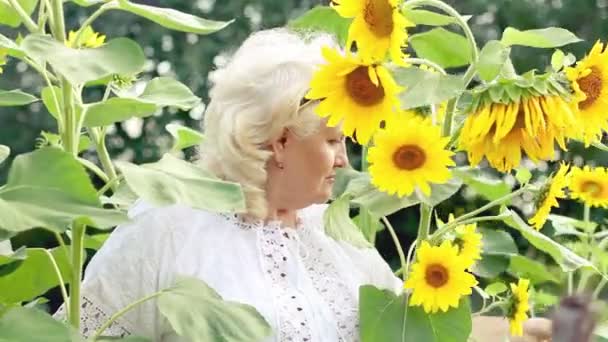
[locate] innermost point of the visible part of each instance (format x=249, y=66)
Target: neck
x=286, y=216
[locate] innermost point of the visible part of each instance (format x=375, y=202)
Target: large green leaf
x=173, y=19
x=9, y=17
x=424, y=17
x=490, y=266
x=489, y=188
x=5, y=151
x=54, y=108
x=537, y=272
x=51, y=199
x=448, y=49
x=15, y=98
x=368, y=224
x=172, y=180
x=565, y=225
x=116, y=109
x=7, y=256
x=492, y=59
x=566, y=259
x=184, y=136
x=497, y=242
x=382, y=318
x=34, y=275
x=440, y=192
x=28, y=324
x=324, y=19
x=424, y=87
x=118, y=56
x=12, y=47
x=198, y=313
x=339, y=225
x=166, y=91
x=550, y=37
x=381, y=204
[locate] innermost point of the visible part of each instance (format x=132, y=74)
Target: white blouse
x=303, y=282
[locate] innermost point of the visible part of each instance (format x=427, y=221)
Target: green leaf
x=8, y=257
x=8, y=15
x=565, y=225
x=381, y=204
x=448, y=49
x=34, y=275
x=566, y=259
x=492, y=58
x=424, y=17
x=116, y=109
x=5, y=151
x=496, y=288
x=95, y=241
x=166, y=91
x=489, y=188
x=12, y=47
x=557, y=60
x=118, y=56
x=440, y=192
x=87, y=3
x=523, y=267
x=28, y=324
x=324, y=19
x=550, y=37
x=340, y=227
x=51, y=199
x=424, y=87
x=184, y=136
x=368, y=224
x=198, y=313
x=15, y=98
x=382, y=318
x=172, y=19
x=523, y=175
x=172, y=180
x=490, y=266
x=497, y=242
x=49, y=102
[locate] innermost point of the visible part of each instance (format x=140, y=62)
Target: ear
x=278, y=145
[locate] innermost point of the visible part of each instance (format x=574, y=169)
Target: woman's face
x=308, y=167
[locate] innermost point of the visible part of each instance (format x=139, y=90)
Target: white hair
x=252, y=99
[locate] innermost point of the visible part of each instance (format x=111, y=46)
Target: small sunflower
x=548, y=195
x=469, y=243
x=518, y=307
x=438, y=279
x=357, y=94
x=88, y=39
x=378, y=27
x=3, y=55
x=408, y=154
x=590, y=185
x=588, y=80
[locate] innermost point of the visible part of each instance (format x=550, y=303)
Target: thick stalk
x=585, y=275
x=426, y=212
x=27, y=21
x=397, y=245
x=58, y=20
x=42, y=16
x=104, y=156
x=78, y=233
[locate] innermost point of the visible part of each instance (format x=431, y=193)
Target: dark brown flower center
x=436, y=275
x=592, y=188
x=409, y=157
x=591, y=85
x=378, y=14
x=361, y=89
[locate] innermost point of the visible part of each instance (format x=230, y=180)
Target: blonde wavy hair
x=252, y=99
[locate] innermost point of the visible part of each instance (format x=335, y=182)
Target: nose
x=341, y=157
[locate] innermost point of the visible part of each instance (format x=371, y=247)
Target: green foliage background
x=190, y=58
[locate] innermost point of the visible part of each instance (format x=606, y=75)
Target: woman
x=277, y=258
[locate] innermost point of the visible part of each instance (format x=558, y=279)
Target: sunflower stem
x=27, y=21
x=101, y=10
x=395, y=238
x=584, y=279
x=78, y=234
x=426, y=212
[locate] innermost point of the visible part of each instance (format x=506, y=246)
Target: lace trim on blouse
x=92, y=317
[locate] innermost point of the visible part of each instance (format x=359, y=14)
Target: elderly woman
x=261, y=133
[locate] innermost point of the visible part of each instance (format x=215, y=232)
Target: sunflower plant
x=52, y=188
x=428, y=131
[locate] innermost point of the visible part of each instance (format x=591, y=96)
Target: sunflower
x=548, y=195
x=469, y=243
x=438, y=279
x=501, y=131
x=590, y=185
x=518, y=307
x=3, y=55
x=408, y=154
x=378, y=27
x=357, y=94
x=88, y=39
x=588, y=80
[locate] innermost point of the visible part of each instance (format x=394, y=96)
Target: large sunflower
x=501, y=131
x=408, y=154
x=438, y=279
x=518, y=307
x=357, y=94
x=548, y=195
x=589, y=80
x=378, y=27
x=590, y=185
